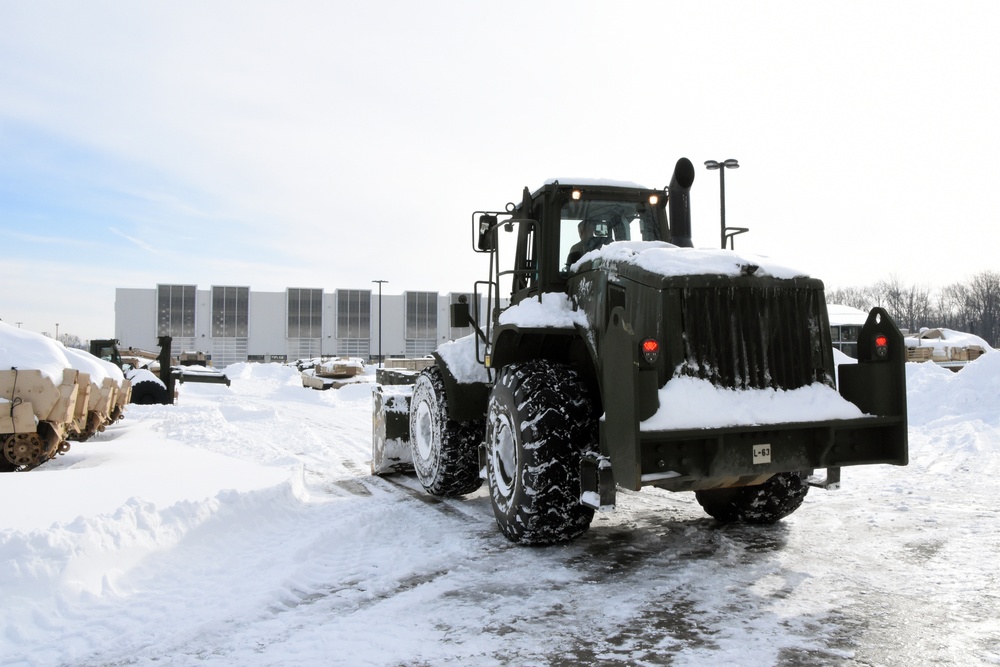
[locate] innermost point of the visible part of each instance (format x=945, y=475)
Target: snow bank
x=666, y=259
x=935, y=393
x=695, y=403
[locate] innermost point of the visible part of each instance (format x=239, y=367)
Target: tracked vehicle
x=612, y=354
x=49, y=395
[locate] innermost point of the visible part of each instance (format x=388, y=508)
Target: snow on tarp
x=460, y=358
x=27, y=350
x=943, y=339
x=98, y=369
x=552, y=309
x=694, y=403
x=666, y=259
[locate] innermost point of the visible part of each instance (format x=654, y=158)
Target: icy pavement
x=242, y=527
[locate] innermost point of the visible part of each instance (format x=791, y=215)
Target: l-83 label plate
x=761, y=454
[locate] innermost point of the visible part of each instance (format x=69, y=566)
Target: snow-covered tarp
x=943, y=340
x=27, y=350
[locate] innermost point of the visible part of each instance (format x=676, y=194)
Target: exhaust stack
x=680, y=203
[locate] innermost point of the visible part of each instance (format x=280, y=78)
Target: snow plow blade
x=391, y=429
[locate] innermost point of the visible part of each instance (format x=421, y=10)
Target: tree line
x=972, y=306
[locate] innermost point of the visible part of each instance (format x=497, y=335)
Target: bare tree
x=861, y=298
x=973, y=306
x=983, y=303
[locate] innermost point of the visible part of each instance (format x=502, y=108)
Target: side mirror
x=460, y=317
x=487, y=233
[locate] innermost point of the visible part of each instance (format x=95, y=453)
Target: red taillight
x=650, y=350
x=881, y=346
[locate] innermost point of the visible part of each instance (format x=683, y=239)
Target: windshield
x=588, y=224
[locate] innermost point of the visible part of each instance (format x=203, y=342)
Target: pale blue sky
x=327, y=144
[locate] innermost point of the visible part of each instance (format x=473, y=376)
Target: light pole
x=722, y=166
x=57, y=332
x=380, y=320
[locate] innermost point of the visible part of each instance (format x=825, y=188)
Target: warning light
x=650, y=350
x=881, y=346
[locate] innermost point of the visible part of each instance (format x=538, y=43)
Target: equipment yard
x=242, y=526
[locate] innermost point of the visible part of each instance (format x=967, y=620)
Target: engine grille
x=754, y=336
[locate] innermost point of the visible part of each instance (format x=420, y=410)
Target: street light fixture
x=727, y=232
x=380, y=320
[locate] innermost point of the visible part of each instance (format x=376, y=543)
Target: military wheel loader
x=612, y=353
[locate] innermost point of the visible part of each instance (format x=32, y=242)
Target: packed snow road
x=242, y=527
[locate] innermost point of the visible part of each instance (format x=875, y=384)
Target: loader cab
x=535, y=244
x=578, y=217
x=589, y=223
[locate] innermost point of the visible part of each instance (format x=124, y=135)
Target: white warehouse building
x=233, y=324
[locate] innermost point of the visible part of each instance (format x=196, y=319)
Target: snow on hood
x=687, y=402
x=460, y=358
x=666, y=259
x=552, y=309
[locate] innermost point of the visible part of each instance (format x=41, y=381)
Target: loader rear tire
x=445, y=451
x=539, y=423
x=149, y=393
x=764, y=503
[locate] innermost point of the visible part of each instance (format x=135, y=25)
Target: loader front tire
x=764, y=503
x=445, y=451
x=539, y=424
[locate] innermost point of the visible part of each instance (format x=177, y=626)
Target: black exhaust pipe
x=680, y=203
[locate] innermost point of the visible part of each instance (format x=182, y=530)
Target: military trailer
x=627, y=358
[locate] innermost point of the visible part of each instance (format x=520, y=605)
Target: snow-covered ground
x=242, y=527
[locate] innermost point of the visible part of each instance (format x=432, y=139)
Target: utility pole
x=726, y=232
x=380, y=320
